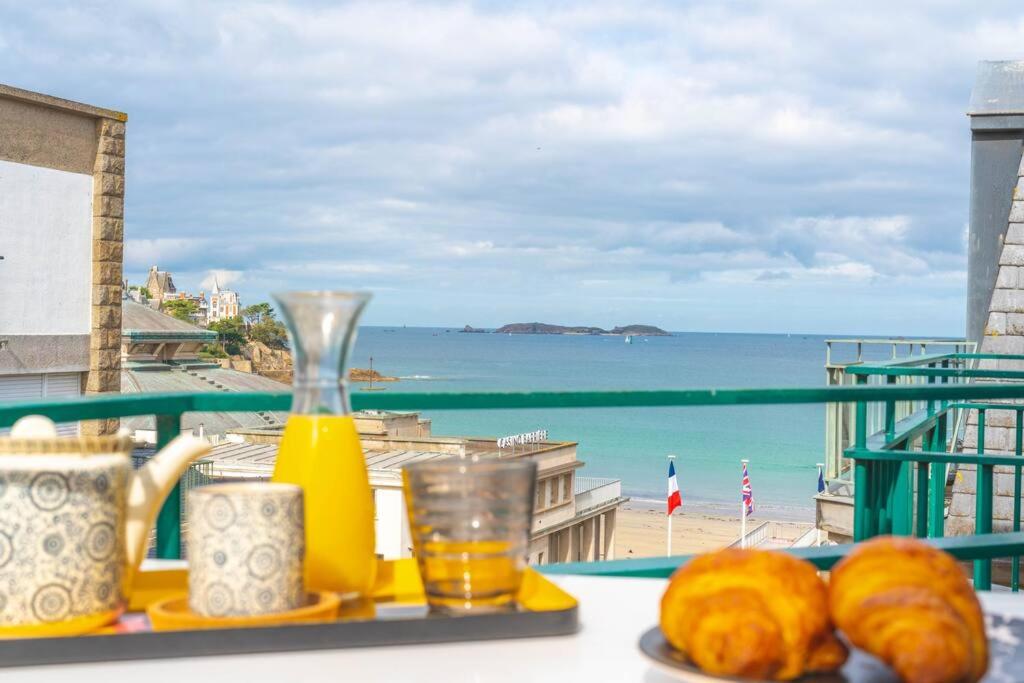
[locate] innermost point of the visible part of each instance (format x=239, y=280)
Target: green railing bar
x=927, y=456
x=914, y=361
x=127, y=405
x=168, y=521
x=979, y=405
x=934, y=357
x=909, y=428
x=934, y=372
x=986, y=546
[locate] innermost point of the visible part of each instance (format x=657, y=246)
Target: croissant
x=752, y=614
x=911, y=606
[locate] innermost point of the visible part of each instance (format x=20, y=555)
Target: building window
x=540, y=495
x=567, y=487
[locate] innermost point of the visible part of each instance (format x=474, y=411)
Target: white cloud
x=224, y=278
x=427, y=146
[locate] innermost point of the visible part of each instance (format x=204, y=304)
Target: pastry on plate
x=911, y=606
x=753, y=614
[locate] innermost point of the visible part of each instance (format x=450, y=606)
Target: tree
x=257, y=313
x=144, y=291
x=231, y=334
x=212, y=351
x=182, y=309
x=270, y=332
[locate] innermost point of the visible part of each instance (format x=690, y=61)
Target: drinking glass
x=320, y=450
x=470, y=521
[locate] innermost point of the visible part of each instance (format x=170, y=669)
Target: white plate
x=1005, y=642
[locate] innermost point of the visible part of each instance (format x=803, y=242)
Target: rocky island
x=544, y=328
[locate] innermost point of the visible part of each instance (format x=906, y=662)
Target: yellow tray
x=396, y=614
x=173, y=614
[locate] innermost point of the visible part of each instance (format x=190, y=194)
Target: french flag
x=674, y=499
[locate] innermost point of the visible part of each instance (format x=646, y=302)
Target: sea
x=783, y=443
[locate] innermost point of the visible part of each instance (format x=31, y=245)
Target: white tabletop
x=614, y=612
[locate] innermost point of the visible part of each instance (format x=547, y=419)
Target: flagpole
x=668, y=535
x=817, y=539
x=743, y=515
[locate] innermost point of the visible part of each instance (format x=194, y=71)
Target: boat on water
x=629, y=339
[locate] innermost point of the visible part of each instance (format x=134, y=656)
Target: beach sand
x=640, y=531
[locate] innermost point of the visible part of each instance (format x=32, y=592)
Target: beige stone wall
x=40, y=130
x=1004, y=333
x=107, y=259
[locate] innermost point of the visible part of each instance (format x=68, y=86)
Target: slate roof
x=998, y=89
x=139, y=320
x=256, y=460
x=195, y=378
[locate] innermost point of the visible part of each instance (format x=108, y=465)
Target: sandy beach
x=640, y=531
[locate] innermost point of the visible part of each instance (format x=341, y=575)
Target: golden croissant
x=911, y=606
x=753, y=614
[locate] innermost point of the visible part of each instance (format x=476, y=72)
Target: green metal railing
x=901, y=471
x=169, y=408
x=840, y=418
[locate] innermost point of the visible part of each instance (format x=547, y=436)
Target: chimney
x=997, y=140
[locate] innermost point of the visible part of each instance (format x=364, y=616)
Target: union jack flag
x=748, y=493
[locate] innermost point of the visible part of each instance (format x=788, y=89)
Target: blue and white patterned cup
x=246, y=545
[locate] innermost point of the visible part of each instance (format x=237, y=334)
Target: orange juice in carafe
x=320, y=450
x=322, y=454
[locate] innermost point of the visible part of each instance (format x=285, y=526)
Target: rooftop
x=139, y=321
x=998, y=89
x=60, y=103
x=201, y=377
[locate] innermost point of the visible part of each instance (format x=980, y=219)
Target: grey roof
x=200, y=377
x=138, y=318
x=257, y=459
x=998, y=89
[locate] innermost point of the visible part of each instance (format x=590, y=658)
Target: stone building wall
x=44, y=132
x=107, y=261
x=1004, y=333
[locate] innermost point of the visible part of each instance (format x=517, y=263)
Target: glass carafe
x=320, y=450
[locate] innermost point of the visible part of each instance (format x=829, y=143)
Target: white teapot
x=74, y=521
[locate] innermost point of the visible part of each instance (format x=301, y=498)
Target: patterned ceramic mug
x=245, y=549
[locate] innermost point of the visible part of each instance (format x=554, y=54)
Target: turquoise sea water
x=783, y=443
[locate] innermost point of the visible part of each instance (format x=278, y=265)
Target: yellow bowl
x=76, y=626
x=173, y=614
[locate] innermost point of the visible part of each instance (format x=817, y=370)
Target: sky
x=777, y=166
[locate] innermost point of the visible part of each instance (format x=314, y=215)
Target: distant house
x=223, y=303
x=161, y=287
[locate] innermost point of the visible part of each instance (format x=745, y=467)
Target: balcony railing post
x=168, y=522
x=930, y=403
x=890, y=413
x=921, y=521
x=900, y=486
x=1018, y=449
x=982, y=507
x=864, y=470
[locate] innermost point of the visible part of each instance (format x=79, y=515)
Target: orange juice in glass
x=320, y=450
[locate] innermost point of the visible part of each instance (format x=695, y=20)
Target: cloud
x=224, y=278
x=487, y=157
x=774, y=276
